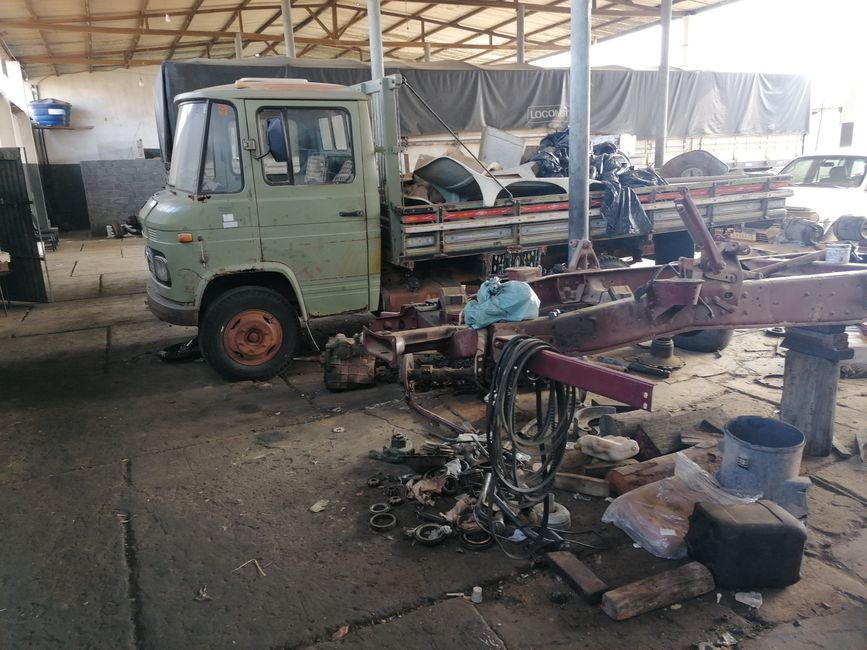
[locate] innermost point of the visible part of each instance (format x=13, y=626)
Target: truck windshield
x=827, y=171
x=184, y=172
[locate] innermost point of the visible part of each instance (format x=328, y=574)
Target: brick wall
x=116, y=189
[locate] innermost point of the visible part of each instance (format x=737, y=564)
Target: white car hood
x=829, y=202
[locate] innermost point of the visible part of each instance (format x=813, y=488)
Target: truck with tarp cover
x=280, y=207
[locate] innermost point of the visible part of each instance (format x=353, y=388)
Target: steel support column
x=662, y=86
x=288, y=35
x=519, y=34
x=239, y=46
x=579, y=125
x=374, y=28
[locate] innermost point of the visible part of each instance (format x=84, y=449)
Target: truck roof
x=259, y=88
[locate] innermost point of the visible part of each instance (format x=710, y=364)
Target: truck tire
x=704, y=340
x=249, y=333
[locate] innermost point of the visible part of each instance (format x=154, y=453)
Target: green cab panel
x=317, y=213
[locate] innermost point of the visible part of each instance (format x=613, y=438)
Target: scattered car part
x=186, y=351
x=346, y=364
x=661, y=354
x=703, y=340
x=374, y=482
x=476, y=540
x=694, y=163
x=398, y=448
x=382, y=522
x=431, y=534
x=850, y=228
x=379, y=508
x=634, y=366
x=423, y=463
x=802, y=231
x=395, y=500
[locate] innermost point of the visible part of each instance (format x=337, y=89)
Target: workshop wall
x=117, y=189
x=118, y=104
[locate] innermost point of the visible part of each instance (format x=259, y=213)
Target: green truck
x=279, y=208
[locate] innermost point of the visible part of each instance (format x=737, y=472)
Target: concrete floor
x=133, y=494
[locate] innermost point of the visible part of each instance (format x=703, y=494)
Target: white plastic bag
x=656, y=515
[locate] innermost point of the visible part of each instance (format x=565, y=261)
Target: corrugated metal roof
x=60, y=36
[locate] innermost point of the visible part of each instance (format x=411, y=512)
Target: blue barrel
x=50, y=112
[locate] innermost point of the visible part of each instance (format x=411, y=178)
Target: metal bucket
x=763, y=456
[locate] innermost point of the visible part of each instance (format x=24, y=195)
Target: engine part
x=850, y=228
x=398, y=448
x=395, y=500
x=347, y=365
x=661, y=355
x=431, y=534
x=379, y=508
x=374, y=482
x=382, y=522
x=476, y=540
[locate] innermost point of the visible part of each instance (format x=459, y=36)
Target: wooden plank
x=861, y=442
x=662, y=424
x=706, y=455
x=689, y=581
x=594, y=487
x=578, y=575
x=810, y=399
x=840, y=449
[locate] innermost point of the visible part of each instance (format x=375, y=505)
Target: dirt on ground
x=153, y=505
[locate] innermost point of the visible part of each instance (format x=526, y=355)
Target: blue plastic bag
x=501, y=301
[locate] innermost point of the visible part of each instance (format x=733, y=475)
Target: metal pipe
x=374, y=29
x=239, y=46
x=288, y=35
x=579, y=125
x=519, y=34
x=662, y=85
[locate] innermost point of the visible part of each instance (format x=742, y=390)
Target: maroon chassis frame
x=591, y=311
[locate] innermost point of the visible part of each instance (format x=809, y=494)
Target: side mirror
x=277, y=140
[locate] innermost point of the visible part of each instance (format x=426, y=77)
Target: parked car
x=826, y=187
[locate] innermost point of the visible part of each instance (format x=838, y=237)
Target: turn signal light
x=185, y=237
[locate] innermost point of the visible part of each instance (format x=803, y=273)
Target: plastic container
x=747, y=545
x=50, y=112
x=762, y=455
x=838, y=253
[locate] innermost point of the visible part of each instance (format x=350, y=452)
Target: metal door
x=17, y=234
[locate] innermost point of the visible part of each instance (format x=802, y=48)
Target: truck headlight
x=158, y=266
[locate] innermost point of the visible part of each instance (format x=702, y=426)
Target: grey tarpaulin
x=469, y=97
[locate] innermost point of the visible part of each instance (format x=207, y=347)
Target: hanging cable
x=524, y=459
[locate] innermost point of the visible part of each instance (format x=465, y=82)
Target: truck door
x=311, y=199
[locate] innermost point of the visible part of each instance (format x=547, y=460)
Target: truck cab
x=270, y=217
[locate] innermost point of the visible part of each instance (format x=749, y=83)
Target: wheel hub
x=252, y=337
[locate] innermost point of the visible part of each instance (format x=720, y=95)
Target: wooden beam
x=34, y=17
x=506, y=22
x=228, y=24
x=196, y=5
x=135, y=39
x=83, y=60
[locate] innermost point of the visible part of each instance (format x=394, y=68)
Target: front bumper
x=170, y=311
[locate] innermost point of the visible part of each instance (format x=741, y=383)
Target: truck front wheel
x=249, y=333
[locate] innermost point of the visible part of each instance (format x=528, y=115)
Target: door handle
x=352, y=213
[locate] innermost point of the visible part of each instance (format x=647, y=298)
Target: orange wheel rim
x=252, y=337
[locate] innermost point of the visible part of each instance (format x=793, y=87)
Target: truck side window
x=319, y=146
x=221, y=167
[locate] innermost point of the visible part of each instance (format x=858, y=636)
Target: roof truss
x=135, y=33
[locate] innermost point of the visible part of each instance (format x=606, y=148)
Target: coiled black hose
x=524, y=460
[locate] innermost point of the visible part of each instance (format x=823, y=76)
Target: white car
x=828, y=187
